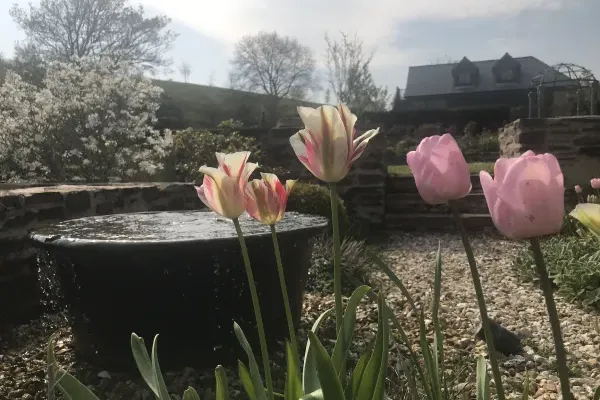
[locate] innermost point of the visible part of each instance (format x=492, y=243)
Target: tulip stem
x=337, y=273
x=257, y=313
x=284, y=292
x=561, y=357
x=485, y=321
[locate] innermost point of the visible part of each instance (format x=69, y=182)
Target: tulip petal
x=233, y=163
x=424, y=177
x=428, y=144
x=221, y=193
x=503, y=164
x=266, y=199
x=453, y=167
x=311, y=118
x=349, y=120
x=533, y=187
x=489, y=189
x=334, y=144
x=302, y=145
x=209, y=195
x=289, y=185
x=248, y=170
x=200, y=190
x=589, y=215
x=360, y=143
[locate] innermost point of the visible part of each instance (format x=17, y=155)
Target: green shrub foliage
x=573, y=264
x=193, y=149
x=314, y=199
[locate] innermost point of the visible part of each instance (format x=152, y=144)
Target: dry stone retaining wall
x=575, y=141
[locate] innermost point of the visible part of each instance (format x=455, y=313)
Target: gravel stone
x=519, y=306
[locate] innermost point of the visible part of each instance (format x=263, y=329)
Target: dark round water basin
x=178, y=274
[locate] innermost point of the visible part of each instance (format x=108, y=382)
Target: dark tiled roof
x=428, y=80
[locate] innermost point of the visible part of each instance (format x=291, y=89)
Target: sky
x=402, y=33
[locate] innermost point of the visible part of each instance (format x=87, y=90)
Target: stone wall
x=23, y=209
x=406, y=210
x=575, y=141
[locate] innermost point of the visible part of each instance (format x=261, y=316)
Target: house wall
x=507, y=98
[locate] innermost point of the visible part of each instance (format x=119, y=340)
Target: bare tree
x=185, y=69
x=67, y=29
x=211, y=78
x=349, y=76
x=443, y=60
x=272, y=64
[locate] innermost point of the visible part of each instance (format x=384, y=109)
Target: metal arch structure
x=564, y=77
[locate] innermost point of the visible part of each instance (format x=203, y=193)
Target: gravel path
x=518, y=306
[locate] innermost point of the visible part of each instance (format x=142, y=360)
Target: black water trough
x=179, y=274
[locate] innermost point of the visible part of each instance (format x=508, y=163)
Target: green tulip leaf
x=246, y=380
x=257, y=382
x=483, y=380
x=372, y=384
x=316, y=395
x=221, y=383
x=328, y=377
x=413, y=356
x=310, y=380
x=66, y=383
x=163, y=394
x=293, y=382
x=438, y=344
x=71, y=388
x=144, y=363
x=358, y=372
x=191, y=394
x=428, y=360
x=597, y=393
x=342, y=345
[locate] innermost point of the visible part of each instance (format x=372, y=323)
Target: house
x=492, y=84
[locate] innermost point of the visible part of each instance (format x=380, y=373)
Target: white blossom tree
x=91, y=120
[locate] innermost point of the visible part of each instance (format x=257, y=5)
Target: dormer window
x=507, y=69
x=465, y=73
x=507, y=75
x=464, y=78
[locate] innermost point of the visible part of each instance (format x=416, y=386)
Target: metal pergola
x=566, y=77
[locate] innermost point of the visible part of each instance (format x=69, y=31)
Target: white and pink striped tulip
x=327, y=146
x=223, y=188
x=266, y=198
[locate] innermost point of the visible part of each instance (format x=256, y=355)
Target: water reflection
x=166, y=225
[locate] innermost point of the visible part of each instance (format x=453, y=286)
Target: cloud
x=375, y=21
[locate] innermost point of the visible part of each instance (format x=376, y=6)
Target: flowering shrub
x=89, y=121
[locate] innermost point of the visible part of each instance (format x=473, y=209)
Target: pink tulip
x=266, y=198
x=578, y=189
x=326, y=146
x=526, y=195
x=223, y=188
x=595, y=183
x=440, y=170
